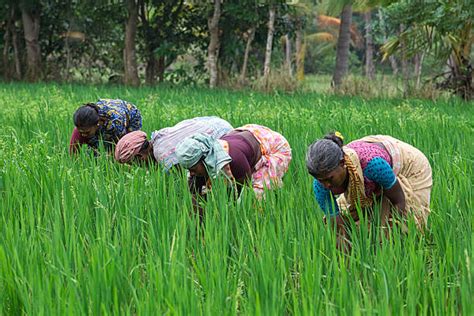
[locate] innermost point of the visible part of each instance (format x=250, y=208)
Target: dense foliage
x=148, y=41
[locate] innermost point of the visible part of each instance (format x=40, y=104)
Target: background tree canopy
x=239, y=43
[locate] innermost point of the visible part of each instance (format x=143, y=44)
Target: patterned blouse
x=376, y=166
x=119, y=117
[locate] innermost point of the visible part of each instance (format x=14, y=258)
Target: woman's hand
x=342, y=234
x=397, y=198
x=338, y=221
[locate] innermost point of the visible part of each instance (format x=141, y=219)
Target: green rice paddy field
x=88, y=236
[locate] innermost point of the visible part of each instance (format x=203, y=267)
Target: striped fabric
x=164, y=141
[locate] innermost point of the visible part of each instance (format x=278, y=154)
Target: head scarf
x=201, y=146
x=165, y=140
x=129, y=146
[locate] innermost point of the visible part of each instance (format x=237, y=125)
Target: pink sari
x=276, y=157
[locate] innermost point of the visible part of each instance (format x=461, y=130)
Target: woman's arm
x=397, y=197
x=195, y=187
x=379, y=171
x=325, y=198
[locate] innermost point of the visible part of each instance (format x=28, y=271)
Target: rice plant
x=85, y=235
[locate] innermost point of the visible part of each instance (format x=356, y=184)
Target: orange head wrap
x=129, y=146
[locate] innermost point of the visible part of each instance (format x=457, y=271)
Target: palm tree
x=343, y=43
x=449, y=37
x=328, y=26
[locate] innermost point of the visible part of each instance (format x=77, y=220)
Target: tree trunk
x=212, y=49
x=393, y=64
x=288, y=55
x=342, y=50
x=161, y=69
x=243, y=73
x=68, y=57
x=6, y=46
x=31, y=26
x=16, y=53
x=418, y=58
x=369, y=47
x=151, y=62
x=151, y=69
x=300, y=52
x=404, y=62
x=130, y=61
x=268, y=49
x=391, y=58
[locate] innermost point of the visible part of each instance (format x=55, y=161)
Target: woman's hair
x=87, y=115
x=325, y=154
x=144, y=146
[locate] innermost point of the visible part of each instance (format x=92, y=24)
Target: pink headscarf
x=129, y=146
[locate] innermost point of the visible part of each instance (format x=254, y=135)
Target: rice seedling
x=85, y=235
